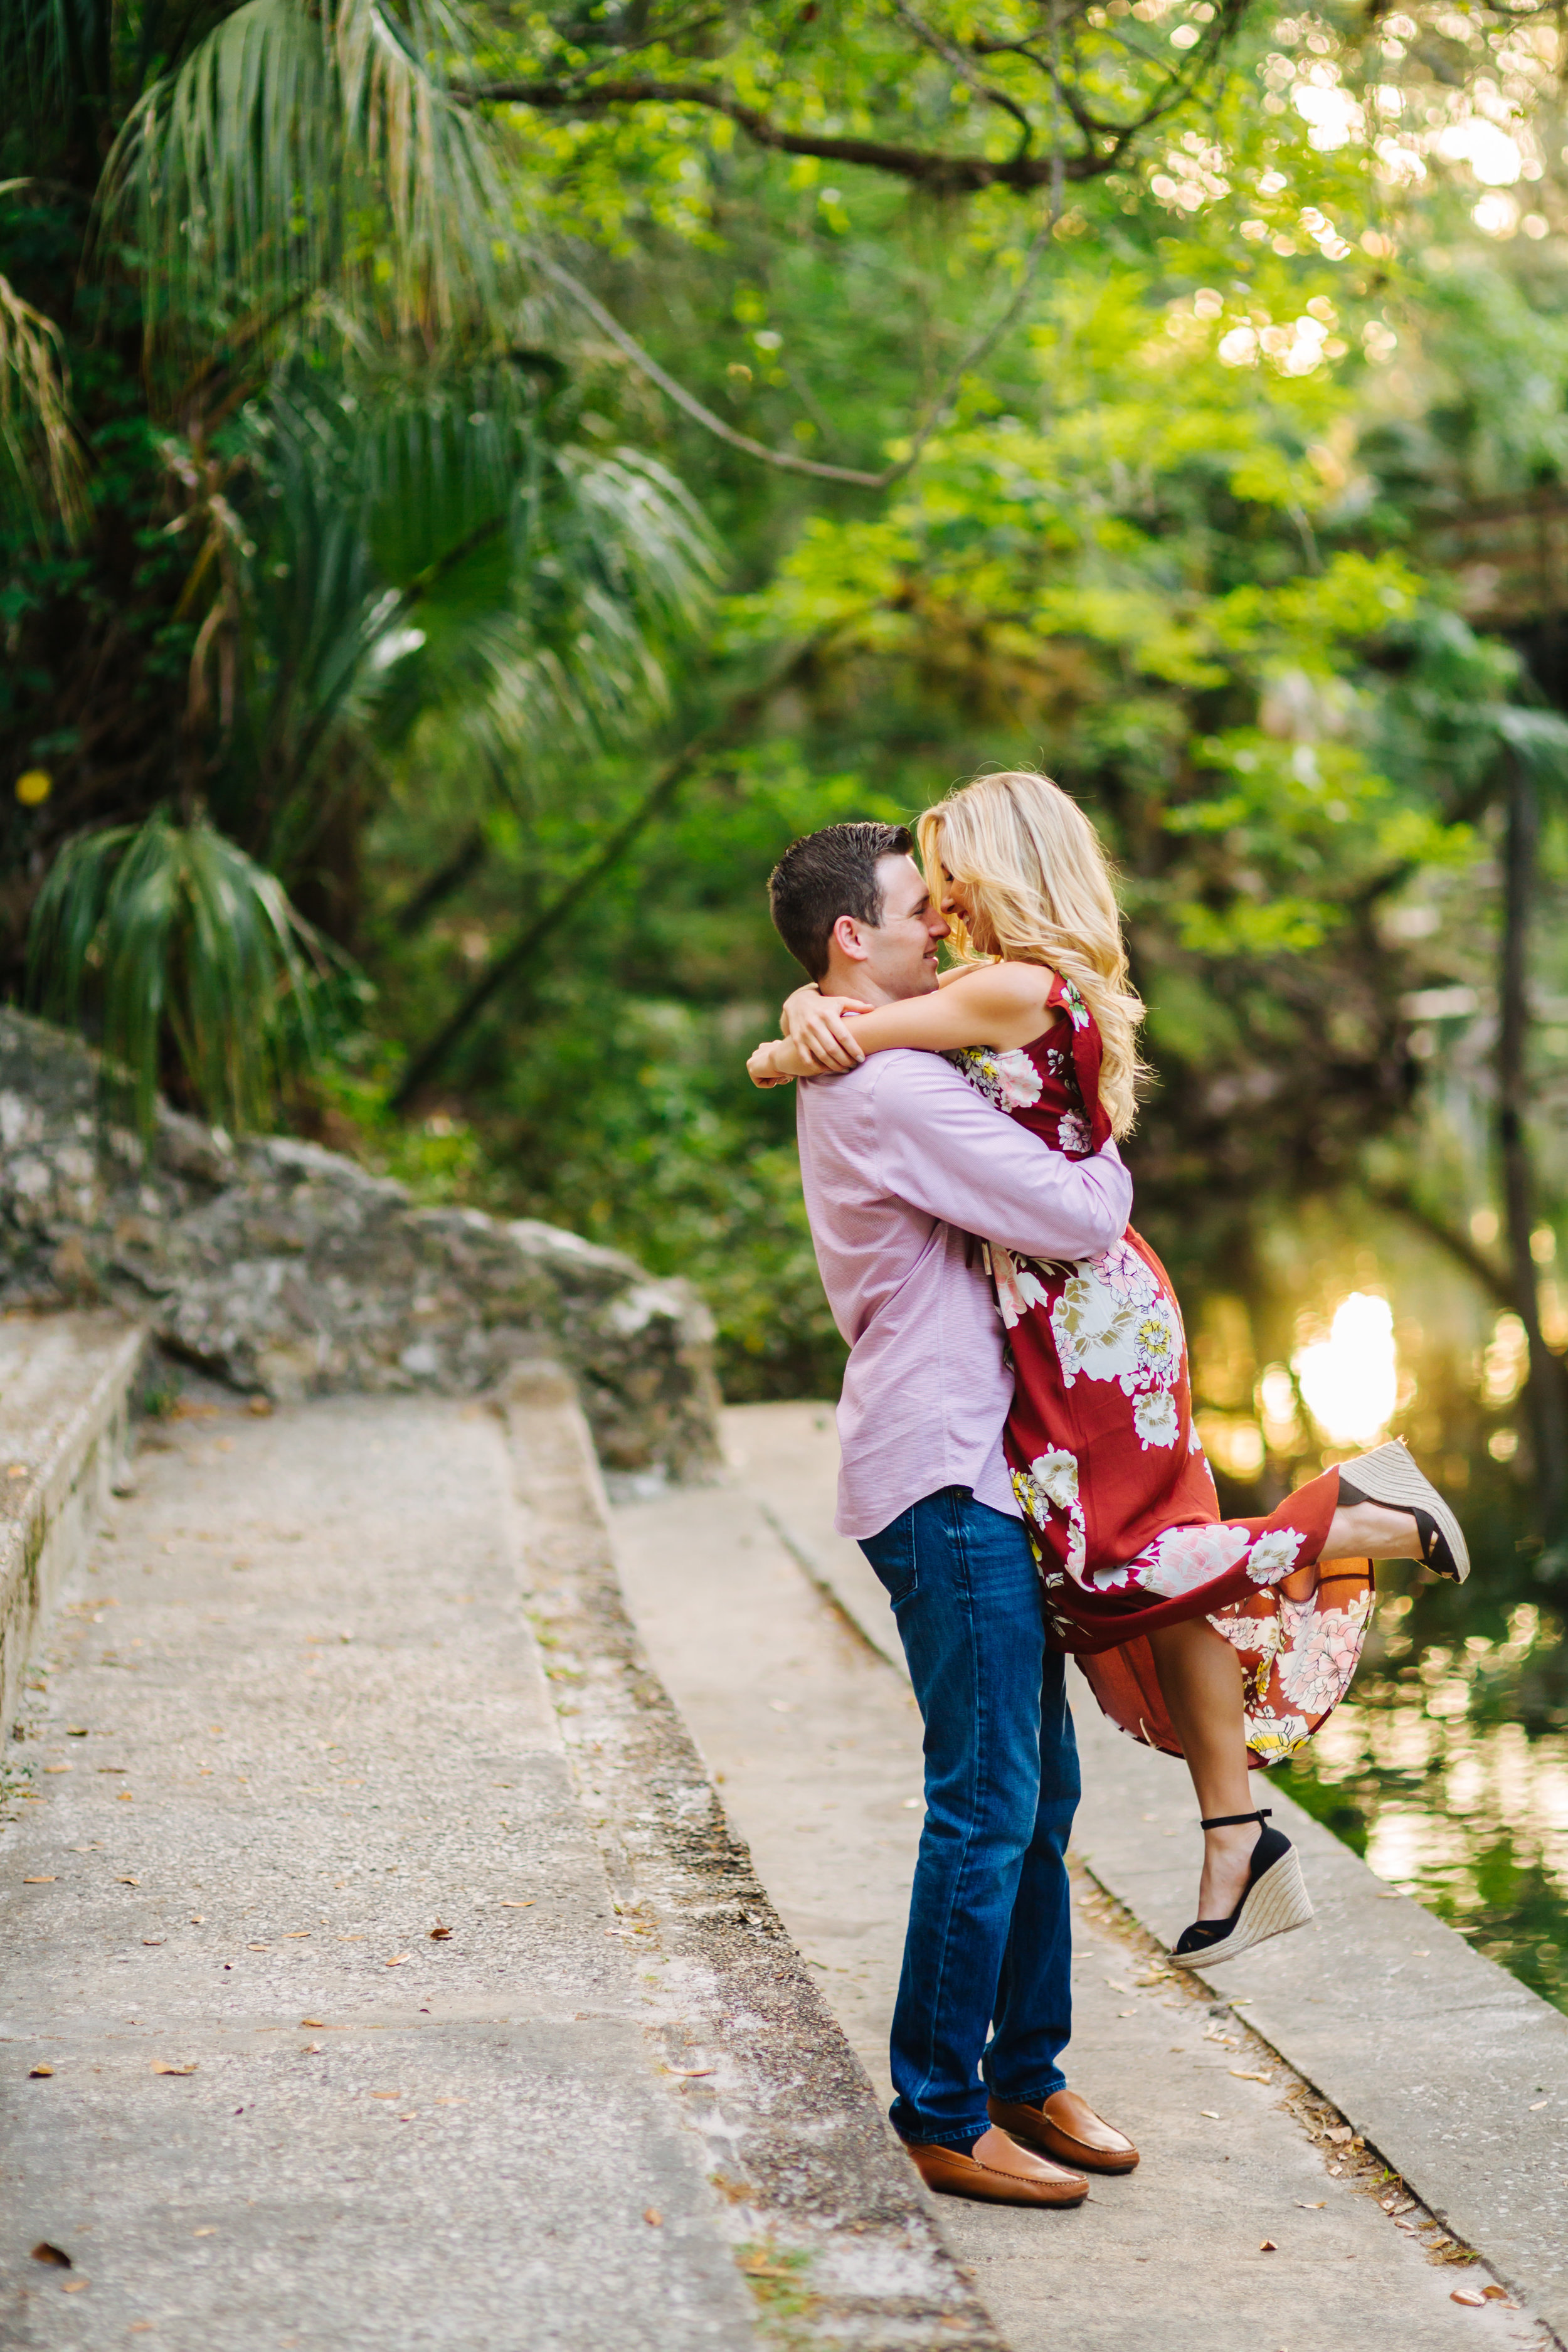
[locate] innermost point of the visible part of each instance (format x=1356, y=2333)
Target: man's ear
x=846, y=937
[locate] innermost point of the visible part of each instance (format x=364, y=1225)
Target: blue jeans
x=989, y=1947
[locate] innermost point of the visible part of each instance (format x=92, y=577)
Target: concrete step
x=381, y=1968
x=65, y=1390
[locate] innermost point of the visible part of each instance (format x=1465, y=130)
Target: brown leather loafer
x=999, y=2172
x=1067, y=2128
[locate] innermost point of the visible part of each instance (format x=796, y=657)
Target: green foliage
x=185, y=943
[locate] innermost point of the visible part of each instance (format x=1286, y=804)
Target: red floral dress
x=1108, y=1469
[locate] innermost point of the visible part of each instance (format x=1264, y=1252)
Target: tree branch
x=943, y=175
x=525, y=944
x=785, y=460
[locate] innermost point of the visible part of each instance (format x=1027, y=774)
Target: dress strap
x=1086, y=1052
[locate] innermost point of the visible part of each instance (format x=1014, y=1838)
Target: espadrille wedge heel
x=1276, y=1900
x=1388, y=1475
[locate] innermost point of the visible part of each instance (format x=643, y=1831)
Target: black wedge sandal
x=1388, y=1475
x=1275, y=1899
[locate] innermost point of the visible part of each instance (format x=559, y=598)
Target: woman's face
x=956, y=900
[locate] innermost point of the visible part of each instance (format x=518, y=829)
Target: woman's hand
x=779, y=1061
x=819, y=1027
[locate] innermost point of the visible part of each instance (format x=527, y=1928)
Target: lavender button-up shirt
x=902, y=1161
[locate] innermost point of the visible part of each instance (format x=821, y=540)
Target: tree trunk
x=1548, y=1387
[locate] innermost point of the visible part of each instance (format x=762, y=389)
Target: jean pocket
x=893, y=1557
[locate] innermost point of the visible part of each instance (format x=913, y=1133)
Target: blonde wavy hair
x=1039, y=890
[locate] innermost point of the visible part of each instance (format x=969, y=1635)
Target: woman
x=1224, y=1641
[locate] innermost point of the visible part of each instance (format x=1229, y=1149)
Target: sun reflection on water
x=1351, y=1380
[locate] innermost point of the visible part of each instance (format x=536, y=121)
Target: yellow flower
x=33, y=786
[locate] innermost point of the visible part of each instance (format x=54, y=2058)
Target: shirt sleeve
x=949, y=1153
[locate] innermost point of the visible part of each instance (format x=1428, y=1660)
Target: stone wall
x=287, y=1271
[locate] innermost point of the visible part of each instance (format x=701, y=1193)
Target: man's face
x=896, y=958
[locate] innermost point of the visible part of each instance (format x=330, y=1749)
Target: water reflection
x=1448, y=1769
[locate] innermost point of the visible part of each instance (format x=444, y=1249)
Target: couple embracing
x=1019, y=1462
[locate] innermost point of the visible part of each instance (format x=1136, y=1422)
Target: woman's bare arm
x=999, y=1004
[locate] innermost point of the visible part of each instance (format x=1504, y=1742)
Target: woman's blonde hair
x=1039, y=890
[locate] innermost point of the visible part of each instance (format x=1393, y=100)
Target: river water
x=1447, y=1767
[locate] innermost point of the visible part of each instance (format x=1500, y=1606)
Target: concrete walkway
x=319, y=2028
x=749, y=1607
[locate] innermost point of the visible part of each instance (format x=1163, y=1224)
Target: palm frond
x=187, y=944
x=42, y=470
x=425, y=551
x=312, y=154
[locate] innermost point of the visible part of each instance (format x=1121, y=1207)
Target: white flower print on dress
x=1318, y=1651
x=1057, y=1474
x=1245, y=1632
x=1072, y=1133
x=1184, y=1557
x=1275, y=1736
x=1154, y=1418
x=1114, y=1322
x=1020, y=1080
x=1052, y=1479
x=1274, y=1555
x=1017, y=1287
x=1074, y=1006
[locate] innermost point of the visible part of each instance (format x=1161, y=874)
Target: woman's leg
x=1201, y=1680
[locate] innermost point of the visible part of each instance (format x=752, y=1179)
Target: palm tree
x=288, y=461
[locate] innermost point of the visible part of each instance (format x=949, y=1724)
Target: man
x=899, y=1160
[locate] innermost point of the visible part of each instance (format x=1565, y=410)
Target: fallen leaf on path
x=1468, y=2295
x=398, y=1962
x=1250, y=2075
x=388, y=2095
x=296, y=1936
x=508, y=1906
x=1267, y=2247
x=409, y=2119
x=37, y=1882
x=439, y=1935
x=653, y=2217
x=153, y=1943
x=76, y=1731
x=313, y=2049
x=73, y=2286
x=1338, y=2134
x=1212, y=2114
x=314, y=2024
x=122, y=1797
x=351, y=1939
x=210, y=2231
x=1316, y=2208
x=59, y=1767
x=163, y=2066
x=128, y=1882
x=37, y=2072
x=692, y=2073
x=44, y=2253
x=1539, y=2103
x=116, y=1768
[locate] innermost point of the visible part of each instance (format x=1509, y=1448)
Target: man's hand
x=819, y=1027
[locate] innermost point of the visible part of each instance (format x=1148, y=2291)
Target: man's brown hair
x=826, y=875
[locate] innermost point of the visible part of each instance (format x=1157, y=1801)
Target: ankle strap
x=1232, y=1821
